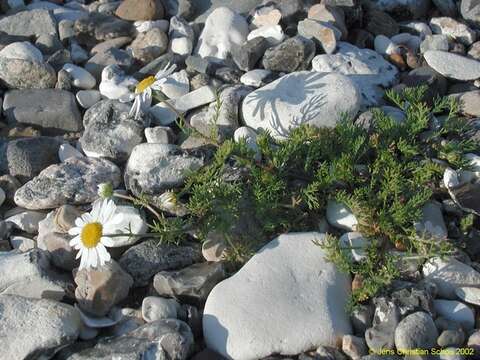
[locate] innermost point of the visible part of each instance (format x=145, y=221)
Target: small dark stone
x=293, y=54
x=380, y=23
x=247, y=55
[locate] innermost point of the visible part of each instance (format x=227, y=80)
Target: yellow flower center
x=91, y=234
x=144, y=84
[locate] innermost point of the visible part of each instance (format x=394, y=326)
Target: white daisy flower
x=168, y=200
x=143, y=90
x=89, y=232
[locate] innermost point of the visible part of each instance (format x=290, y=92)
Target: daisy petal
x=106, y=241
x=75, y=230
x=80, y=252
x=74, y=241
x=93, y=257
x=79, y=222
x=103, y=253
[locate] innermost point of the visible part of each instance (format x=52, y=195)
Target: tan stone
x=140, y=10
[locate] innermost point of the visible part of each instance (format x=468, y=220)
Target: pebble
x=452, y=65
x=29, y=23
x=22, y=67
x=278, y=297
x=99, y=289
x=191, y=284
x=87, y=98
x=469, y=102
x=470, y=11
x=111, y=132
x=157, y=308
x=278, y=108
x=454, y=29
x=434, y=42
x=470, y=295
x=340, y=216
x=25, y=220
x=29, y=274
x=25, y=158
x=214, y=248
x=134, y=10
x=22, y=243
x=455, y=311
x=74, y=182
x=161, y=339
x=355, y=243
x=115, y=85
x=144, y=260
x=51, y=325
x=153, y=168
x=3, y=196
x=291, y=55
x=272, y=33
x=386, y=318
x=370, y=72
x=53, y=110
x=432, y=224
x=416, y=331
x=353, y=346
x=149, y=45
x=224, y=29
x=449, y=274
x=159, y=135
x=81, y=78
x=323, y=33
x=66, y=151
x=256, y=78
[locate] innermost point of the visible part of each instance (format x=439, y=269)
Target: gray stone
x=362, y=317
x=409, y=9
x=451, y=338
x=470, y=10
x=29, y=23
x=454, y=29
x=48, y=43
x=455, y=311
x=469, y=102
x=26, y=158
x=370, y=72
x=432, y=225
x=144, y=260
x=304, y=97
x=434, y=42
x=355, y=347
x=73, y=182
x=163, y=339
x=191, y=284
x=149, y=45
x=225, y=119
x=110, y=131
x=380, y=23
x=29, y=274
x=99, y=27
x=153, y=168
x=386, y=318
x=35, y=329
x=156, y=308
x=452, y=65
x=291, y=55
x=115, y=43
x=160, y=135
x=100, y=60
x=238, y=308
x=416, y=331
x=248, y=55
x=449, y=274
x=324, y=34
x=51, y=109
x=62, y=255
x=99, y=289
x=470, y=295
x=87, y=98
x=22, y=67
x=25, y=220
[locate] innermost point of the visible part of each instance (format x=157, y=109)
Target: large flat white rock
x=286, y=299
x=302, y=97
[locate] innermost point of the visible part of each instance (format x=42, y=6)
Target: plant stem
x=132, y=199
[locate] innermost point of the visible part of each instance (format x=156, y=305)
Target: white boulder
x=286, y=299
x=298, y=98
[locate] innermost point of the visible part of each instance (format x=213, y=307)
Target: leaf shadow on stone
x=311, y=109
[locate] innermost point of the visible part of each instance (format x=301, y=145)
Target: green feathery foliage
x=384, y=173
